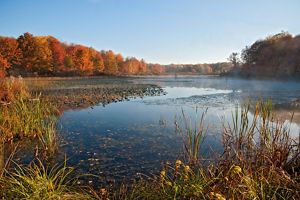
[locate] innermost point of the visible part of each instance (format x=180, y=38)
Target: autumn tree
x=10, y=51
x=142, y=67
x=80, y=58
x=134, y=66
x=68, y=64
x=131, y=66
x=47, y=55
x=4, y=65
x=156, y=69
x=97, y=61
x=110, y=63
x=120, y=62
x=43, y=55
x=36, y=55
x=58, y=54
x=276, y=55
x=27, y=45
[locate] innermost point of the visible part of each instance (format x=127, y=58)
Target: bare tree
x=234, y=59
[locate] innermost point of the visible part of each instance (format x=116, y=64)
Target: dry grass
x=12, y=89
x=22, y=115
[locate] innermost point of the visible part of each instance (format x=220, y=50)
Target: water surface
x=123, y=140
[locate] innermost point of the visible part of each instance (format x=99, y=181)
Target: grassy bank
x=23, y=115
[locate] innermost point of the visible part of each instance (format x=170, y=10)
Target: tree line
x=203, y=69
x=275, y=56
x=30, y=55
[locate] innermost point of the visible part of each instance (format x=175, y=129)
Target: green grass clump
x=36, y=182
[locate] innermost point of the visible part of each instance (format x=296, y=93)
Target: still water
x=123, y=140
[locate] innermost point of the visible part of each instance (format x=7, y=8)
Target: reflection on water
x=124, y=139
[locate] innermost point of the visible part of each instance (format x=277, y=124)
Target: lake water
x=123, y=140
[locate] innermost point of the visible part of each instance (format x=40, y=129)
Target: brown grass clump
x=12, y=89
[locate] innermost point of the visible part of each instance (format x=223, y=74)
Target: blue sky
x=160, y=31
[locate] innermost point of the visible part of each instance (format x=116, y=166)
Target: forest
x=203, y=69
x=30, y=55
x=276, y=56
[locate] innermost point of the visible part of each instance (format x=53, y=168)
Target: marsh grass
x=260, y=161
x=12, y=89
x=263, y=141
x=24, y=115
x=192, y=136
x=39, y=182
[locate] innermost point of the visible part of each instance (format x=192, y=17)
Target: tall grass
x=38, y=182
x=25, y=116
x=12, y=89
x=262, y=141
x=260, y=161
x=192, y=136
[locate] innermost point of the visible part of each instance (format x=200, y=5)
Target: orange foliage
x=134, y=66
x=9, y=49
x=97, y=60
x=46, y=55
x=110, y=62
x=81, y=59
x=28, y=47
x=156, y=69
x=58, y=54
x=3, y=66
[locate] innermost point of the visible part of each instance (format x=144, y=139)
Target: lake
x=121, y=141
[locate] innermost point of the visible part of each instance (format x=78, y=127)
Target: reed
x=192, y=136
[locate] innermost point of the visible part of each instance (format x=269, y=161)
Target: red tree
x=10, y=51
x=4, y=65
